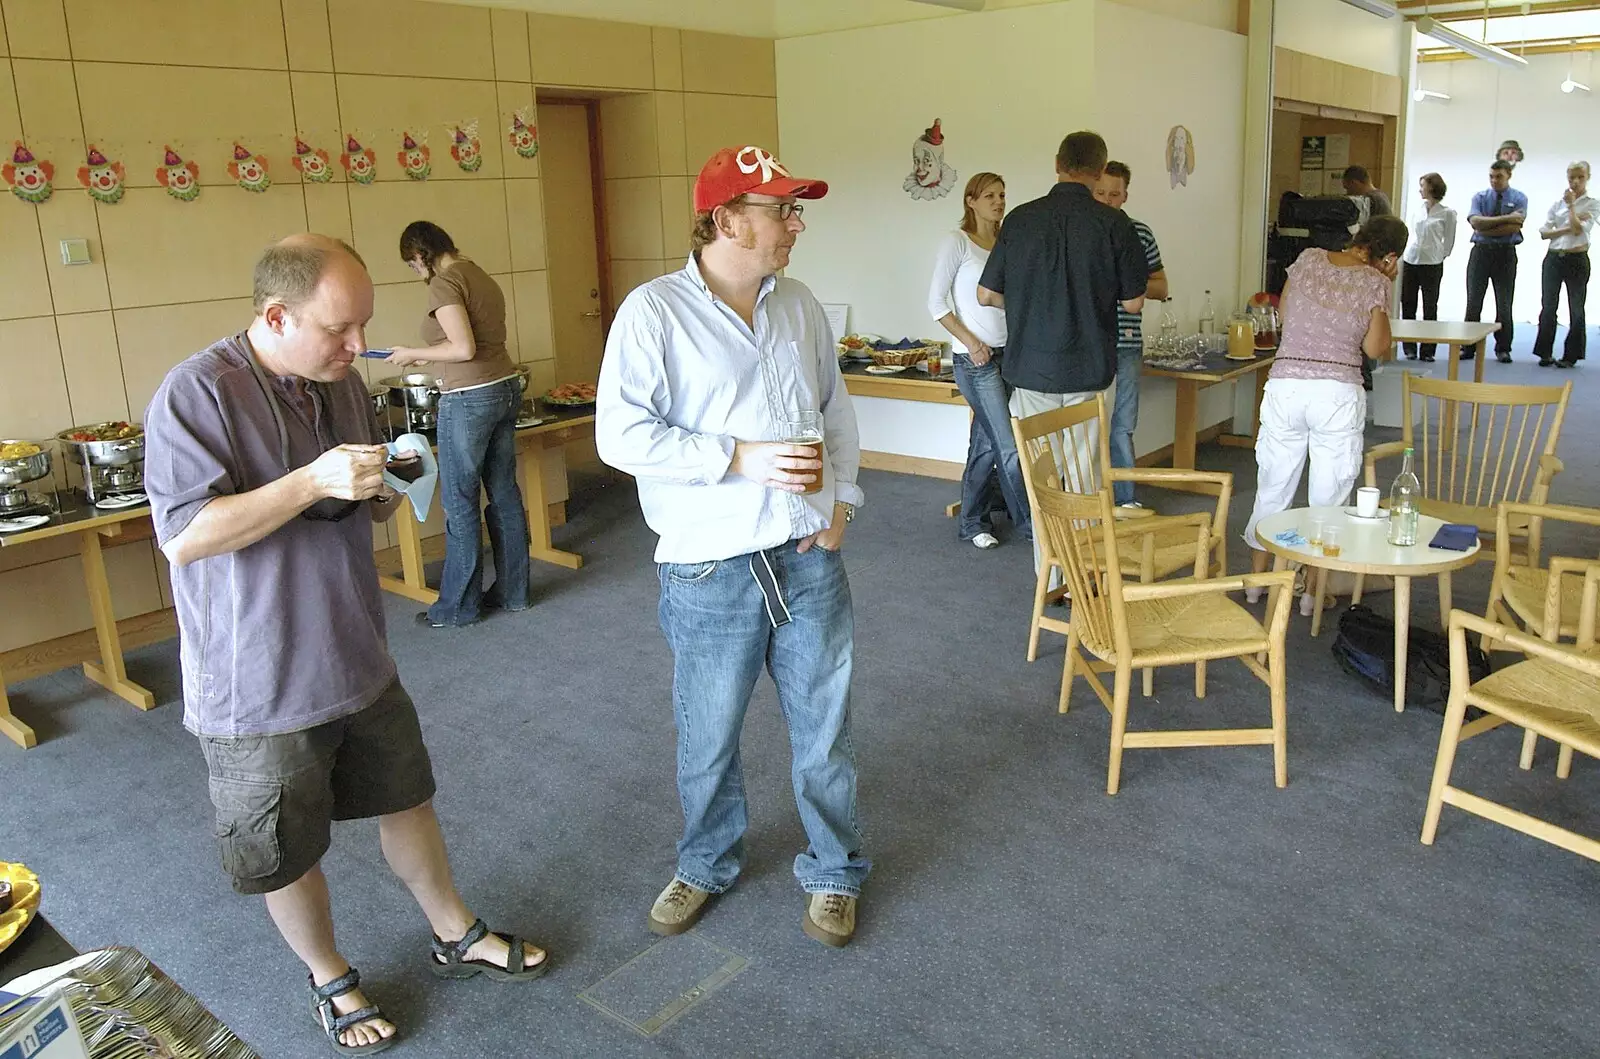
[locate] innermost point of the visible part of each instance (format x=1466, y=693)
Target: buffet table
x=558, y=425
x=89, y=524
x=1216, y=368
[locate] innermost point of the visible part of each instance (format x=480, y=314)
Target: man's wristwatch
x=849, y=511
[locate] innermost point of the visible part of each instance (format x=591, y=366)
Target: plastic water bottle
x=1404, y=496
x=1208, y=317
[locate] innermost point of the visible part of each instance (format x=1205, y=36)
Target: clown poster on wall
x=102, y=177
x=414, y=157
x=250, y=170
x=1180, y=155
x=180, y=178
x=30, y=178
x=930, y=176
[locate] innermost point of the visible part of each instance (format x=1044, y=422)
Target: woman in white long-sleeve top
x=980, y=338
x=1433, y=236
x=1568, y=228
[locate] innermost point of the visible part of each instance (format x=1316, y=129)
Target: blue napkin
x=904, y=343
x=1455, y=536
x=1291, y=538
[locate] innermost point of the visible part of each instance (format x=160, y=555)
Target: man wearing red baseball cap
x=720, y=394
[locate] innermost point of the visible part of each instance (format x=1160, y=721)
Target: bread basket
x=903, y=357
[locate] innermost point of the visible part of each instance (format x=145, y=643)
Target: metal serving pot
x=380, y=402
x=524, y=378
x=19, y=470
x=124, y=452
x=413, y=390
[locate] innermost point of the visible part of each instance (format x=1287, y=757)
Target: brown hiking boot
x=830, y=918
x=678, y=908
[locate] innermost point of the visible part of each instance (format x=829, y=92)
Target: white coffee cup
x=1367, y=501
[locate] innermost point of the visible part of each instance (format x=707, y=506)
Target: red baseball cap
x=735, y=171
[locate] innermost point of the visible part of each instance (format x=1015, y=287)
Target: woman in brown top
x=466, y=334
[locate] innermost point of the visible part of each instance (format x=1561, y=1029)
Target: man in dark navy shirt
x=1497, y=215
x=1061, y=266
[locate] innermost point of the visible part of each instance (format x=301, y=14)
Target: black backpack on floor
x=1364, y=647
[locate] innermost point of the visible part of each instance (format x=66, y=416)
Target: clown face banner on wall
x=180, y=178
x=101, y=177
x=250, y=170
x=312, y=162
x=1180, y=155
x=930, y=177
x=524, y=137
x=465, y=149
x=414, y=159
x=360, y=162
x=29, y=178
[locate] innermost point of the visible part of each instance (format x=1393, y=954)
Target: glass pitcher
x=1241, y=337
x=1266, y=321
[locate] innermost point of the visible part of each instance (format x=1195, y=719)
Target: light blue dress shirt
x=684, y=377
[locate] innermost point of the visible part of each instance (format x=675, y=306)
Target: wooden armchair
x=1068, y=448
x=1479, y=445
x=1554, y=693
x=1140, y=626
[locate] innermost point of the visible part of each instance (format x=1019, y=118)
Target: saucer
x=531, y=421
x=25, y=522
x=1381, y=516
x=885, y=369
x=116, y=503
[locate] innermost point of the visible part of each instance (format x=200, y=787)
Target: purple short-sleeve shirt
x=287, y=633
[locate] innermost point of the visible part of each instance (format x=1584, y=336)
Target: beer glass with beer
x=805, y=428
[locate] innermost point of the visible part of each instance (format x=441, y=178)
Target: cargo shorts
x=276, y=796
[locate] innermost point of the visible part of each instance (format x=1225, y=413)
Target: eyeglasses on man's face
x=785, y=210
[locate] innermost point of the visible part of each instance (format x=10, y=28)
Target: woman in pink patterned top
x=1335, y=311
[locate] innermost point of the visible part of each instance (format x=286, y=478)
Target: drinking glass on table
x=1330, y=541
x=1314, y=537
x=934, y=363
x=805, y=428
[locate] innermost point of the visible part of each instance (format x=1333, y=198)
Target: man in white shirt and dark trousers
x=1568, y=227
x=703, y=369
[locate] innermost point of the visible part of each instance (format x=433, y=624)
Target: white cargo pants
x=1319, y=418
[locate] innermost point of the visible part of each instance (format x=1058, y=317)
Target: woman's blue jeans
x=993, y=475
x=478, y=451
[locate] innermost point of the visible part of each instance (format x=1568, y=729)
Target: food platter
x=24, y=901
x=884, y=369
x=571, y=395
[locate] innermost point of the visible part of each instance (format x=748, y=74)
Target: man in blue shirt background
x=1497, y=215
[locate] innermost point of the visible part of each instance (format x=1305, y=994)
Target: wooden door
x=571, y=234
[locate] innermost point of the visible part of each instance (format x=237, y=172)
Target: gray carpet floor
x=1015, y=910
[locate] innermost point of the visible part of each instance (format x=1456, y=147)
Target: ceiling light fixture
x=1423, y=93
x=959, y=5
x=1431, y=27
x=1381, y=8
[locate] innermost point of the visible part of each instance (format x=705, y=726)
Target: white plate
x=885, y=369
x=1381, y=516
x=115, y=503
x=523, y=424
x=26, y=522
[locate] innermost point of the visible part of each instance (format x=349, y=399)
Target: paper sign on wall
x=1312, y=182
x=1312, y=151
x=1338, y=151
x=838, y=318
x=1335, y=182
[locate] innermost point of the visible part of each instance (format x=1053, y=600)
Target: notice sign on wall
x=1313, y=149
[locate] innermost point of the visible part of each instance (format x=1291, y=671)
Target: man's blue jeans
x=715, y=619
x=992, y=460
x=478, y=450
x=1124, y=417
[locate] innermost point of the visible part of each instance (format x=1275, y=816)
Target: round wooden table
x=1364, y=548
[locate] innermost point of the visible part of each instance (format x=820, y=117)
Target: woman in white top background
x=1433, y=236
x=1568, y=227
x=994, y=471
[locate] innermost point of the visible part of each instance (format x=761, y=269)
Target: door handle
x=592, y=314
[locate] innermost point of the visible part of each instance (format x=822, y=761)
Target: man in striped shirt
x=1112, y=189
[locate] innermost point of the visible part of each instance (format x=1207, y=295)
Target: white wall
x=871, y=245
x=1335, y=30
x=1457, y=139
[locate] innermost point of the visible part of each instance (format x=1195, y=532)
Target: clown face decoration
x=312, y=162
x=358, y=161
x=250, y=170
x=414, y=159
x=524, y=137
x=180, y=178
x=29, y=178
x=930, y=177
x=1180, y=155
x=101, y=177
x=465, y=148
